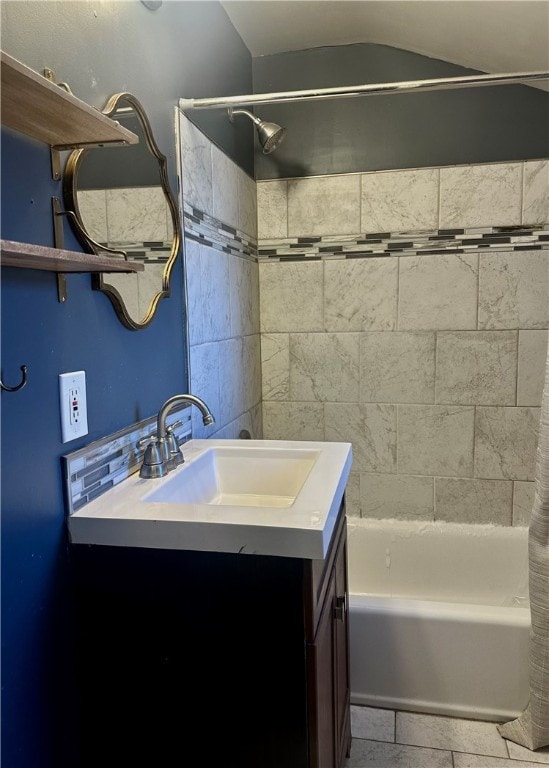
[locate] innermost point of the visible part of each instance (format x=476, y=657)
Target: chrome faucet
x=162, y=453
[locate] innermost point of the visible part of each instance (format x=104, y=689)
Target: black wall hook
x=19, y=386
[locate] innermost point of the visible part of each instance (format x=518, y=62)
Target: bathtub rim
x=485, y=613
x=492, y=715
x=389, y=538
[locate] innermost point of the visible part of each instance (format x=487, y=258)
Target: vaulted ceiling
x=488, y=35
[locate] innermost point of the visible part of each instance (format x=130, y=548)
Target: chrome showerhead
x=269, y=134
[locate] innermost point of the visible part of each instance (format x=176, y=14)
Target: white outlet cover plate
x=73, y=405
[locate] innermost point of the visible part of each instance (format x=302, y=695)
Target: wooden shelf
x=27, y=256
x=42, y=110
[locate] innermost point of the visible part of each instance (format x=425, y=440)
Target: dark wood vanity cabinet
x=210, y=659
x=328, y=658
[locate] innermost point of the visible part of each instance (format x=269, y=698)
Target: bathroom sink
x=251, y=497
x=270, y=477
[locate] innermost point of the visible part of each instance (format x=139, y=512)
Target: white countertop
x=292, y=527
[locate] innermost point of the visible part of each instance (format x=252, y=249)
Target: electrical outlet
x=72, y=399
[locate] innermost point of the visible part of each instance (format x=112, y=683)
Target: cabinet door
x=321, y=686
x=341, y=653
x=329, y=683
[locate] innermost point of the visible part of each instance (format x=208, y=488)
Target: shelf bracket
x=59, y=240
x=55, y=156
x=61, y=287
x=54, y=153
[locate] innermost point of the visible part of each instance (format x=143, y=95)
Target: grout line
x=473, y=476
x=397, y=319
x=286, y=184
x=360, y=356
x=439, y=198
x=478, y=292
x=435, y=399
x=513, y=524
x=522, y=190
x=323, y=295
x=517, y=376
x=452, y=752
x=506, y=747
x=360, y=191
x=397, y=411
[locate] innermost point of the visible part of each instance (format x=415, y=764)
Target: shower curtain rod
x=376, y=89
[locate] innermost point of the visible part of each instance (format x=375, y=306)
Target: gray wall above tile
x=399, y=131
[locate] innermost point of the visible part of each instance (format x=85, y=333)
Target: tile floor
x=383, y=738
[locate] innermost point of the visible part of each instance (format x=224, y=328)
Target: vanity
x=212, y=621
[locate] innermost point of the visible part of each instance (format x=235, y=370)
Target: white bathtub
x=439, y=617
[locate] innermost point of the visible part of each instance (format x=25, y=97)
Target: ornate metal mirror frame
x=124, y=290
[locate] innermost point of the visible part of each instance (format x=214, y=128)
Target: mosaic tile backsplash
x=94, y=469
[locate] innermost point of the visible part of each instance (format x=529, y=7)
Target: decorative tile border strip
x=205, y=229
x=150, y=252
x=442, y=241
x=92, y=470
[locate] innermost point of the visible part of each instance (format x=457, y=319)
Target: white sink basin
x=245, y=477
x=253, y=497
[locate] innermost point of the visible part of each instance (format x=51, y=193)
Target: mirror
x=123, y=207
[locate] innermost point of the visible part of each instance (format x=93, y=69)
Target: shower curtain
x=531, y=729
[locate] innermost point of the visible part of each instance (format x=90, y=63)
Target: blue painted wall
x=129, y=374
x=159, y=57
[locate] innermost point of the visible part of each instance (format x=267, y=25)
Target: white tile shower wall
x=126, y=215
x=502, y=194
x=222, y=289
x=432, y=365
x=138, y=221
x=139, y=291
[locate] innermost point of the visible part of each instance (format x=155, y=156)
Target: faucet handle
x=176, y=457
x=145, y=441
